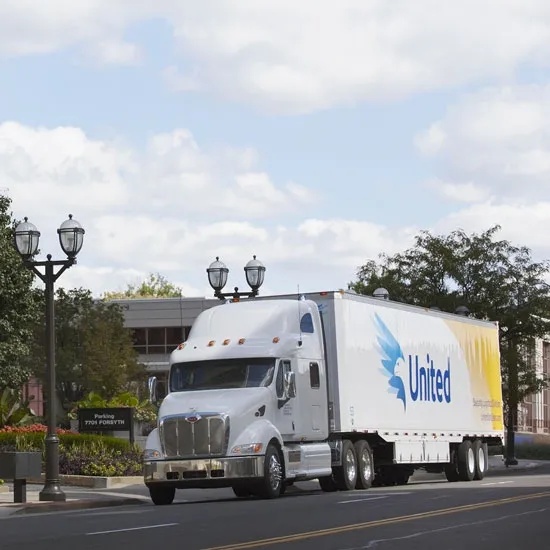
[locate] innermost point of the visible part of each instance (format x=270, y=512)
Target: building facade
x=533, y=414
x=158, y=325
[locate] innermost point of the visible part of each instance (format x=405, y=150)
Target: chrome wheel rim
x=350, y=465
x=366, y=466
x=471, y=460
x=481, y=459
x=275, y=472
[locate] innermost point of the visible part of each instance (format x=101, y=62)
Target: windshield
x=221, y=374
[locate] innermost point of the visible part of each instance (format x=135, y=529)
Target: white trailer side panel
x=407, y=371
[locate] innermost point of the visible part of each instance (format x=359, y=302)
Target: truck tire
x=162, y=496
x=365, y=465
x=346, y=474
x=272, y=482
x=481, y=455
x=451, y=469
x=466, y=461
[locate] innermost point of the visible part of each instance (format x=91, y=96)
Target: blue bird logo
x=391, y=353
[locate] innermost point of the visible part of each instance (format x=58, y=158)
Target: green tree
x=493, y=278
x=155, y=286
x=18, y=306
x=94, y=351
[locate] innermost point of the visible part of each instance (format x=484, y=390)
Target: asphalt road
x=498, y=513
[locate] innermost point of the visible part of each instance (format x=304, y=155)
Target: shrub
x=79, y=454
x=533, y=451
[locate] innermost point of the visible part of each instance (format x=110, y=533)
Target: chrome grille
x=194, y=435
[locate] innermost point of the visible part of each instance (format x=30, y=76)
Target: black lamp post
x=71, y=237
x=217, y=277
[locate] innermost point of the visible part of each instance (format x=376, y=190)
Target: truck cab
x=246, y=404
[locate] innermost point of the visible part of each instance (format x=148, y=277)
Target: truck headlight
x=151, y=454
x=247, y=449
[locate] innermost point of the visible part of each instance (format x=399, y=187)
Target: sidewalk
x=76, y=498
x=496, y=463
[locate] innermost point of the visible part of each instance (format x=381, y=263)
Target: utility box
x=18, y=467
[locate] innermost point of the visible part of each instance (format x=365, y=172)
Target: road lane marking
x=359, y=500
x=132, y=529
x=374, y=543
x=496, y=483
x=377, y=523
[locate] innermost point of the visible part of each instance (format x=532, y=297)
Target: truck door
x=285, y=413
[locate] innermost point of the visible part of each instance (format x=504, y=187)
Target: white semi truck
x=347, y=389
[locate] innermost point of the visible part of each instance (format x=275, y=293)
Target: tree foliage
x=18, y=306
x=493, y=278
x=94, y=351
x=155, y=286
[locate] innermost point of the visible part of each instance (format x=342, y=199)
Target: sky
x=313, y=134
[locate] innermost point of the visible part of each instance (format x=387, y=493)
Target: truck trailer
x=346, y=389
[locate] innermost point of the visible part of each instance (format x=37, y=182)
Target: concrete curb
x=94, y=482
x=42, y=507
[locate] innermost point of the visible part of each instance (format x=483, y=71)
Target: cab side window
x=279, y=382
x=284, y=367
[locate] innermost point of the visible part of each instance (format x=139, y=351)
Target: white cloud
x=458, y=192
x=497, y=137
x=297, y=57
x=36, y=27
x=174, y=207
x=523, y=222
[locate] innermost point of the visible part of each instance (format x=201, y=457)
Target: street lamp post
x=26, y=238
x=217, y=277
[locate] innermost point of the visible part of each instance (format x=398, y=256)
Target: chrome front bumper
x=203, y=472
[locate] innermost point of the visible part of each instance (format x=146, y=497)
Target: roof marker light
x=181, y=346
x=241, y=341
x=226, y=341
x=211, y=343
x=276, y=340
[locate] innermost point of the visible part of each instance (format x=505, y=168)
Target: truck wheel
x=479, y=449
x=271, y=484
x=162, y=496
x=466, y=461
x=451, y=469
x=346, y=475
x=365, y=467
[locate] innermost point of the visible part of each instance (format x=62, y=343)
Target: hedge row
x=81, y=454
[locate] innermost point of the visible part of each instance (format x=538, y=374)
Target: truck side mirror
x=290, y=384
x=153, y=394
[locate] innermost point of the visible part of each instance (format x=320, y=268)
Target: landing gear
x=392, y=475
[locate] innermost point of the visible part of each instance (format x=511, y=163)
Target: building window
x=139, y=336
x=158, y=340
x=314, y=375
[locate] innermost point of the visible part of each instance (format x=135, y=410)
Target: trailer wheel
x=365, y=467
x=272, y=482
x=466, y=461
x=346, y=475
x=480, y=453
x=162, y=496
x=451, y=469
